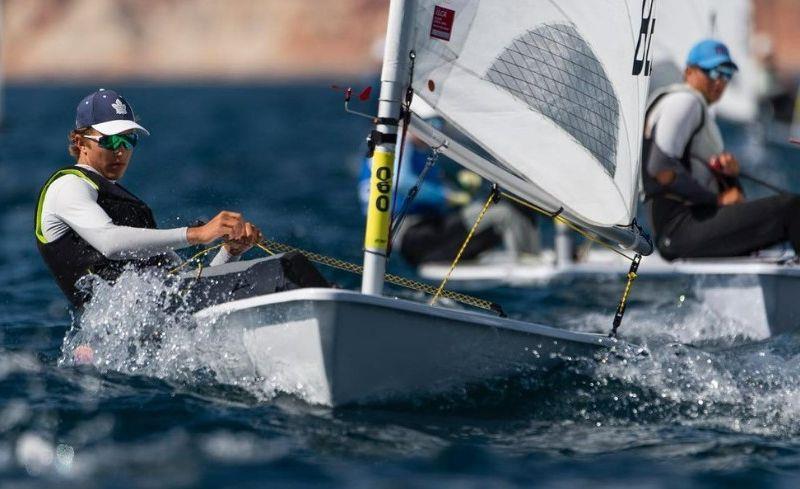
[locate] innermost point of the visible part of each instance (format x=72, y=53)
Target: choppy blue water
x=718, y=412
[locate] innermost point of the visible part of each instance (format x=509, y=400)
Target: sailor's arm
x=678, y=121
x=74, y=202
x=670, y=174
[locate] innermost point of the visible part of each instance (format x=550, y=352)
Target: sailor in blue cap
x=697, y=206
x=86, y=222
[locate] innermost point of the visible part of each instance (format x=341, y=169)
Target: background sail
x=682, y=23
x=547, y=88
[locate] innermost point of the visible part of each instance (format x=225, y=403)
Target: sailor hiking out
x=87, y=223
x=697, y=206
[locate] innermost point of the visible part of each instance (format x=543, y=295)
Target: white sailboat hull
x=335, y=347
x=760, y=294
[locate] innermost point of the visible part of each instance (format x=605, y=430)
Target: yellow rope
x=489, y=201
x=631, y=277
x=271, y=246
x=623, y=301
x=567, y=223
x=195, y=257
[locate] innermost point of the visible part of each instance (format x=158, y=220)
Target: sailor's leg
x=733, y=230
x=519, y=233
x=439, y=238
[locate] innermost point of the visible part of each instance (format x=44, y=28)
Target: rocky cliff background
x=186, y=39
x=239, y=39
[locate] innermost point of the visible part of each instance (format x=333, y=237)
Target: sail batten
x=547, y=90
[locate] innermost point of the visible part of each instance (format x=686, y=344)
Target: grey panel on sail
x=556, y=73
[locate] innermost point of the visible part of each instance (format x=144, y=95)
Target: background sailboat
x=757, y=292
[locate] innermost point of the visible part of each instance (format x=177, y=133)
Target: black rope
x=638, y=228
x=765, y=184
x=495, y=193
x=406, y=116
x=400, y=216
x=497, y=308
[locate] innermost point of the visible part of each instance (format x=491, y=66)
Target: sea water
x=169, y=403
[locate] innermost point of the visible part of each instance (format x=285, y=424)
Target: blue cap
x=708, y=54
x=107, y=112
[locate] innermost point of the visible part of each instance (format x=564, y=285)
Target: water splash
x=752, y=388
x=141, y=325
x=692, y=311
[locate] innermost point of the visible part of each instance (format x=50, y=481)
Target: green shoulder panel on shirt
x=40, y=204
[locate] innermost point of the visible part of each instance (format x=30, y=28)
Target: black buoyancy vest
x=650, y=186
x=70, y=257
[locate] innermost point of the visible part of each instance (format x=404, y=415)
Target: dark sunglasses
x=720, y=73
x=115, y=141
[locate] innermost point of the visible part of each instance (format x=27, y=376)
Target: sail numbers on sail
x=642, y=59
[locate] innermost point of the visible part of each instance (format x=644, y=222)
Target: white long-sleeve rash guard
x=71, y=202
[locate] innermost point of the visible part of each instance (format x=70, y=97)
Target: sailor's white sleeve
x=680, y=117
x=75, y=203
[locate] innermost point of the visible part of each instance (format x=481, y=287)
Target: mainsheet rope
x=196, y=257
x=271, y=247
x=492, y=198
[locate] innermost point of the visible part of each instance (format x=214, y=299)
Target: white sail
x=547, y=88
x=682, y=23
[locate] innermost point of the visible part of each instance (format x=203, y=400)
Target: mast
x=394, y=78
